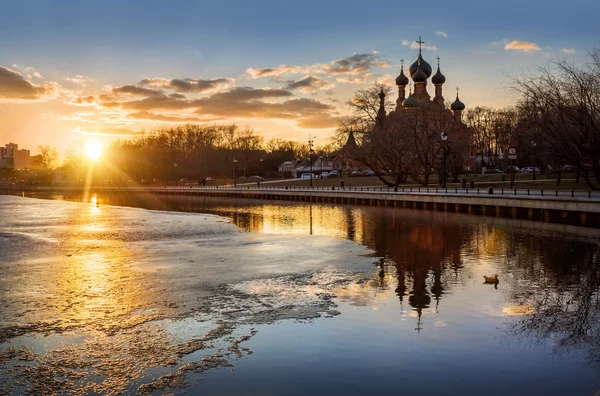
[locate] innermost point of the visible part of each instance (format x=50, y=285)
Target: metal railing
x=487, y=191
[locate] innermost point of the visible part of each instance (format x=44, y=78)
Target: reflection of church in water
x=421, y=257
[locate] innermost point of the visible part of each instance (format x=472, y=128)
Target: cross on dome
x=420, y=42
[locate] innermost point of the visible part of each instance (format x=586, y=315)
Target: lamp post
x=235, y=172
x=444, y=137
x=175, y=172
x=310, y=154
x=533, y=144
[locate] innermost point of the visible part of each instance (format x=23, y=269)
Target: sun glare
x=93, y=149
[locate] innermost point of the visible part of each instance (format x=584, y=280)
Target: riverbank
x=569, y=207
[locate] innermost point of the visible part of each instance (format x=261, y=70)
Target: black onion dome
x=426, y=67
x=438, y=78
x=401, y=80
x=419, y=75
x=457, y=104
x=411, y=101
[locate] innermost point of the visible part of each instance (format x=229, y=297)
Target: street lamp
x=234, y=172
x=533, y=144
x=444, y=137
x=310, y=154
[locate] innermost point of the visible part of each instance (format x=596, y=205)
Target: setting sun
x=93, y=149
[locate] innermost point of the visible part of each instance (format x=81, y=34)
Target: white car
x=305, y=176
x=324, y=175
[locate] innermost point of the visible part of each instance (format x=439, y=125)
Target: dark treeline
x=189, y=152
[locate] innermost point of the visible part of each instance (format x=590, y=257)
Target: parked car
x=367, y=172
x=334, y=173
x=529, y=169
x=324, y=175
x=509, y=169
x=256, y=177
x=305, y=176
x=356, y=173
x=489, y=171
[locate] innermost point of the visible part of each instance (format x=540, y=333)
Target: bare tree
x=365, y=103
x=49, y=156
x=562, y=100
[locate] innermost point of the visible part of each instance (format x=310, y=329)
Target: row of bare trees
x=561, y=104
x=187, y=151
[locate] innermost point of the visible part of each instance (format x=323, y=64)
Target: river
x=126, y=293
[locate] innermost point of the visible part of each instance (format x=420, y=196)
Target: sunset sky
x=70, y=69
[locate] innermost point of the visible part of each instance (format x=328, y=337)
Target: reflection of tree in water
x=564, y=292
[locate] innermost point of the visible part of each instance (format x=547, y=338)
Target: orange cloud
x=524, y=46
x=14, y=86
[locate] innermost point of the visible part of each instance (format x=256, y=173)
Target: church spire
x=438, y=80
x=381, y=113
x=401, y=81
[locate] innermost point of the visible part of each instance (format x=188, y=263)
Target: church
x=410, y=136
x=420, y=72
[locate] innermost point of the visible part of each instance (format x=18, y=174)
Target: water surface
x=232, y=296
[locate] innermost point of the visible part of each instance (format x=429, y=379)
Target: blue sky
x=118, y=43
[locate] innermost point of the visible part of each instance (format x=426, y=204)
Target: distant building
x=288, y=169
x=13, y=158
x=345, y=160
x=22, y=159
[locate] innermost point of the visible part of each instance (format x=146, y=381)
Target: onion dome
x=457, y=104
x=411, y=101
x=425, y=67
x=402, y=80
x=419, y=76
x=438, y=78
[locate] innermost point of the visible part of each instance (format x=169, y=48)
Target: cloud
x=187, y=84
x=405, y=43
x=441, y=34
x=356, y=64
x=319, y=121
x=30, y=70
x=524, y=46
x=116, y=132
x=308, y=84
x=274, y=72
x=146, y=115
x=226, y=106
x=14, y=86
x=150, y=103
x=80, y=116
x=238, y=102
x=79, y=80
x=135, y=90
x=568, y=50
x=353, y=80
x=415, y=45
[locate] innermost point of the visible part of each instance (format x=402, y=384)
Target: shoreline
x=579, y=210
